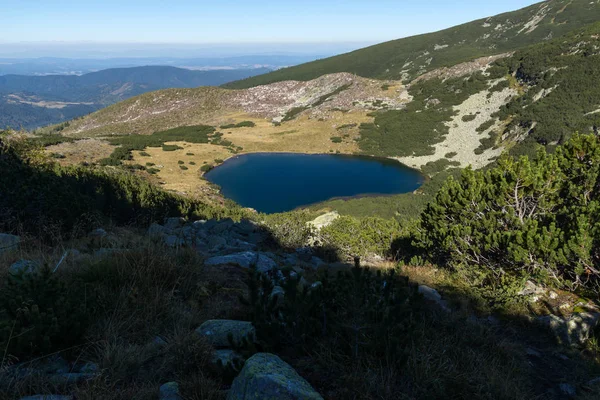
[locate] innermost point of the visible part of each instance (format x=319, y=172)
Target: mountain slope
x=405, y=59
x=31, y=101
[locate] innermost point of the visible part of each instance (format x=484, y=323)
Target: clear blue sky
x=221, y=21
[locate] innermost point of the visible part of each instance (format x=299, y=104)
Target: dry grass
x=139, y=294
x=86, y=150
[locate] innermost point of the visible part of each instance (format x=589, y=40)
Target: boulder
x=217, y=331
x=9, y=242
x=71, y=378
x=265, y=376
x=574, y=330
x=169, y=391
x=245, y=259
x=323, y=220
x=23, y=267
x=433, y=296
x=157, y=231
x=278, y=292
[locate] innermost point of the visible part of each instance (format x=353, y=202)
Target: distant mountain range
x=33, y=101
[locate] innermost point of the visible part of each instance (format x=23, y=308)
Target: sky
x=124, y=22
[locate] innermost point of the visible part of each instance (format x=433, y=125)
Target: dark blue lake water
x=277, y=182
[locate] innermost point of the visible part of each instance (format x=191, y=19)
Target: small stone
x=316, y=285
x=23, y=267
x=217, y=331
x=553, y=295
x=169, y=391
x=158, y=341
x=9, y=242
x=572, y=331
x=316, y=262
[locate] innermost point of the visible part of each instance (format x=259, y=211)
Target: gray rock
x=225, y=356
x=99, y=233
x=266, y=377
x=188, y=232
x=174, y=223
x=531, y=289
x=216, y=242
x=291, y=259
x=174, y=241
x=433, y=296
x=23, y=267
x=574, y=330
x=222, y=226
x=316, y=285
x=568, y=389
x=206, y=225
x=9, y=242
x=245, y=260
x=217, y=331
x=157, y=231
x=169, y=391
x=47, y=397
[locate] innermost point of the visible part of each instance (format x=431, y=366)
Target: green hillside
x=408, y=58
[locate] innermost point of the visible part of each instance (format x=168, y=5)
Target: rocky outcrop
x=23, y=267
x=572, y=331
x=323, y=220
x=266, y=377
x=246, y=260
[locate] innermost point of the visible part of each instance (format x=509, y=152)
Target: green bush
x=171, y=147
x=290, y=229
x=360, y=237
x=336, y=139
x=144, y=154
x=183, y=168
x=523, y=218
x=243, y=124
x=468, y=118
x=206, y=168
x=180, y=162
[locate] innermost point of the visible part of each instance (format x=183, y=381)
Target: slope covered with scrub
x=405, y=59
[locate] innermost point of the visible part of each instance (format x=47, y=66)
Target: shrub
x=150, y=164
x=206, y=168
x=180, y=162
x=192, y=163
x=144, y=154
x=336, y=139
x=290, y=229
x=468, y=118
x=171, y=147
x=153, y=171
x=360, y=237
x=522, y=219
x=183, y=167
x=243, y=124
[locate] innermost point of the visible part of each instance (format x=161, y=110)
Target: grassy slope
x=475, y=39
